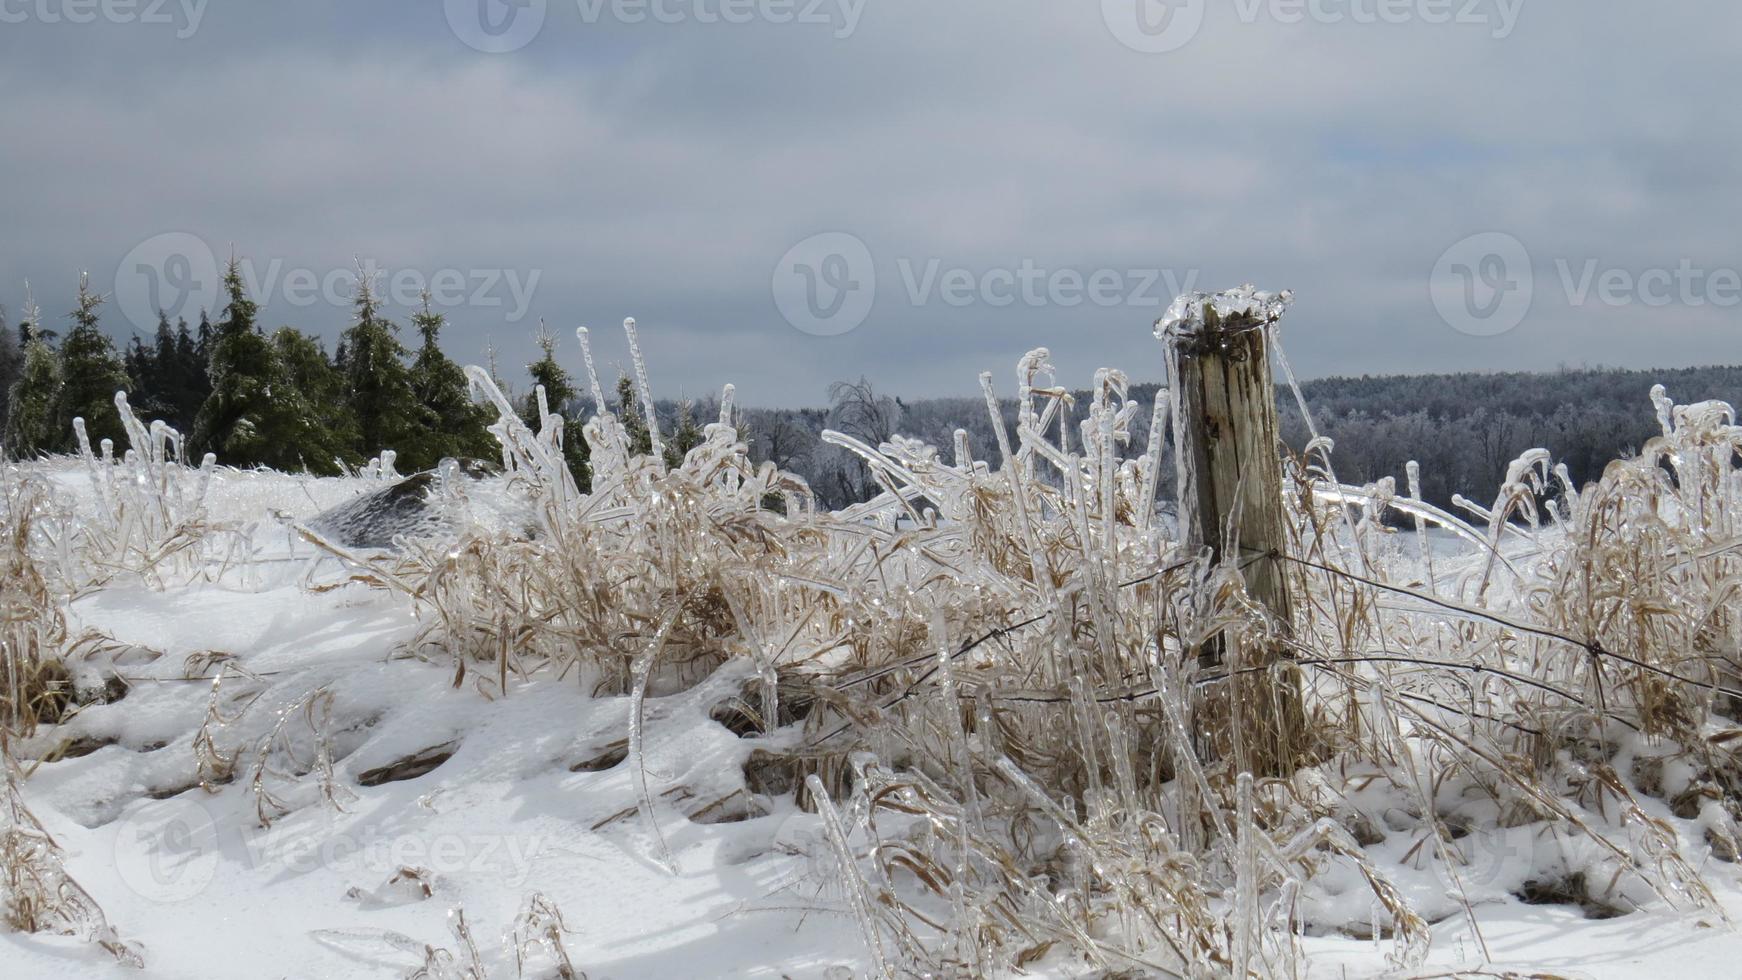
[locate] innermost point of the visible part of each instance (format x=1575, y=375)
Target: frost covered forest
x=618, y=705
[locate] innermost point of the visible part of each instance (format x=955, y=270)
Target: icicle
x=658, y=447
x=1152, y=461
x=856, y=892
x=726, y=395
x=968, y=823
x=643, y=667
x=1244, y=922
x=599, y=405
x=1036, y=558
x=1412, y=470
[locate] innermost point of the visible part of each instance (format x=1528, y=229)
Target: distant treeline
x=1464, y=429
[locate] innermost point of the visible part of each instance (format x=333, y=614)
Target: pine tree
x=91, y=372
x=560, y=396
x=255, y=413
x=11, y=364
x=452, y=424
x=634, y=426
x=157, y=385
x=377, y=383
x=205, y=340
x=30, y=403
x=193, y=384
x=687, y=436
x=327, y=430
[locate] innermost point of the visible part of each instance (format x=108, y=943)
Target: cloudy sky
x=787, y=192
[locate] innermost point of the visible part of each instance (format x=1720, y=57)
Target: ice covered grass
x=961, y=729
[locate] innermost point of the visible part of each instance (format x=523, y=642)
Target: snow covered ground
x=442, y=802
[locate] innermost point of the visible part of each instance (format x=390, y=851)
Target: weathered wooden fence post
x=1227, y=446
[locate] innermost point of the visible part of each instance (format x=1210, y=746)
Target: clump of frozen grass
x=994, y=670
x=36, y=893
x=145, y=512
x=34, y=685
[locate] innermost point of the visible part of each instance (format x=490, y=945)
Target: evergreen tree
x=30, y=403
x=136, y=361
x=205, y=340
x=153, y=369
x=687, y=436
x=254, y=414
x=327, y=428
x=11, y=364
x=560, y=396
x=377, y=383
x=194, y=384
x=91, y=372
x=452, y=424
x=634, y=426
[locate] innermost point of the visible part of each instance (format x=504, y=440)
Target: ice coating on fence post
x=1185, y=315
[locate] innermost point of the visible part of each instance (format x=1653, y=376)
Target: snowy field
x=515, y=811
x=291, y=757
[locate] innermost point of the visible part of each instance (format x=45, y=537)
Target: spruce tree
x=634, y=426
x=91, y=372
x=326, y=428
x=377, y=383
x=191, y=361
x=205, y=340
x=561, y=398
x=687, y=436
x=157, y=385
x=30, y=404
x=452, y=424
x=254, y=414
x=11, y=365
